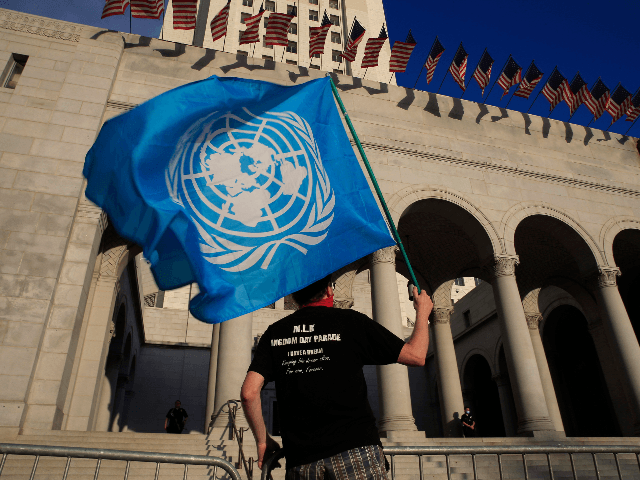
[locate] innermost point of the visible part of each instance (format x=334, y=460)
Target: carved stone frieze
x=442, y=315
x=44, y=27
x=502, y=266
x=384, y=255
x=533, y=320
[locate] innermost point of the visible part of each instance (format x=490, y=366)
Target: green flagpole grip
x=363, y=155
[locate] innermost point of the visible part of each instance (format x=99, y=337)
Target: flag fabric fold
x=618, y=103
x=555, y=88
x=511, y=75
x=372, y=49
x=577, y=93
x=400, y=54
x=147, y=8
x=482, y=73
x=529, y=82
x=355, y=37
x=434, y=57
x=219, y=23
x=277, y=32
x=458, y=66
x=597, y=101
x=114, y=7
x=184, y=14
x=634, y=110
x=318, y=36
x=249, y=188
x=252, y=32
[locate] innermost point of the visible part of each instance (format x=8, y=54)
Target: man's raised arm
x=414, y=352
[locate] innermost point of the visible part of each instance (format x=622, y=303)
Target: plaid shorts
x=363, y=463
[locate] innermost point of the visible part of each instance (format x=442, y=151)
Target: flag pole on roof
x=425, y=62
x=474, y=71
x=363, y=155
x=534, y=100
x=494, y=82
x=525, y=76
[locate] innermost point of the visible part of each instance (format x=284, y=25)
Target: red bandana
x=325, y=302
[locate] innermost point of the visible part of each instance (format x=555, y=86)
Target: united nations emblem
x=251, y=185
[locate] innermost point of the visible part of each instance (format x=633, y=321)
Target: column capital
x=607, y=276
x=533, y=320
x=442, y=315
x=502, y=266
x=384, y=255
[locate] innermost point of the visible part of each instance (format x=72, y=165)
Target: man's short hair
x=313, y=292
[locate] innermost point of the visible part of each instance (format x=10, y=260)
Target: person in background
x=468, y=424
x=176, y=419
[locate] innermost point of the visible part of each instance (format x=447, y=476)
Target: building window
x=264, y=43
x=291, y=10
x=478, y=281
x=313, y=15
x=243, y=53
x=240, y=35
x=337, y=70
x=335, y=56
x=266, y=21
x=316, y=55
x=335, y=19
x=292, y=62
x=335, y=38
x=247, y=3
x=267, y=57
x=13, y=70
x=460, y=282
x=314, y=67
x=313, y=2
x=466, y=316
x=333, y=4
x=244, y=16
x=270, y=6
x=293, y=29
x=292, y=47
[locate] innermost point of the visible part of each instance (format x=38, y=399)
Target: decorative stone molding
x=533, y=320
x=607, y=276
x=503, y=266
x=19, y=22
x=442, y=315
x=343, y=303
x=384, y=255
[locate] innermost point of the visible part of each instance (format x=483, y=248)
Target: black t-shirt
x=176, y=416
x=468, y=419
x=315, y=356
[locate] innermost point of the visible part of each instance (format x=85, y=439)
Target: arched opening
x=483, y=397
x=626, y=253
x=581, y=390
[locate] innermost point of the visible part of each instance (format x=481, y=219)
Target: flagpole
x=514, y=92
x=534, y=100
x=634, y=122
x=365, y=72
x=494, y=82
x=424, y=63
x=363, y=155
x=130, y=15
x=612, y=91
x=474, y=72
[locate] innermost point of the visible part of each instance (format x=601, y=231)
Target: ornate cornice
x=607, y=276
x=533, y=320
x=19, y=22
x=384, y=255
x=442, y=315
x=502, y=266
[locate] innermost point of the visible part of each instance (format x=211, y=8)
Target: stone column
x=533, y=322
x=234, y=358
x=107, y=394
x=506, y=404
x=393, y=380
x=531, y=405
x=201, y=22
x=621, y=337
x=451, y=402
x=213, y=370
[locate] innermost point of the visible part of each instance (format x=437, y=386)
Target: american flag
x=114, y=7
x=482, y=73
x=619, y=103
x=458, y=66
x=554, y=89
x=400, y=54
x=577, y=93
x=147, y=8
x=319, y=36
x=278, y=28
x=252, y=33
x=372, y=49
x=634, y=109
x=357, y=33
x=598, y=99
x=219, y=23
x=530, y=81
x=511, y=75
x=184, y=14
x=432, y=60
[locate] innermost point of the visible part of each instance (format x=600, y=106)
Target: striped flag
x=400, y=54
x=184, y=14
x=372, y=49
x=618, y=103
x=482, y=73
x=219, y=23
x=319, y=36
x=634, y=109
x=147, y=8
x=598, y=99
x=252, y=33
x=510, y=76
x=357, y=34
x=530, y=81
x=278, y=28
x=114, y=7
x=554, y=89
x=577, y=93
x=432, y=60
x=458, y=66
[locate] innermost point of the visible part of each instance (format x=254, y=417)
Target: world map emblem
x=253, y=185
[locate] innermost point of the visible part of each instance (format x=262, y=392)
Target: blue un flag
x=248, y=188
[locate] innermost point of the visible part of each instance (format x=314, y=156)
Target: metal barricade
x=498, y=452
x=70, y=453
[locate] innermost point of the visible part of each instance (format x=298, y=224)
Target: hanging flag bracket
x=363, y=155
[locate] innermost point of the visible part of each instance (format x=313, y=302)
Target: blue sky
x=593, y=37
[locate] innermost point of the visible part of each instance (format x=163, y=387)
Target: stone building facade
x=545, y=213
